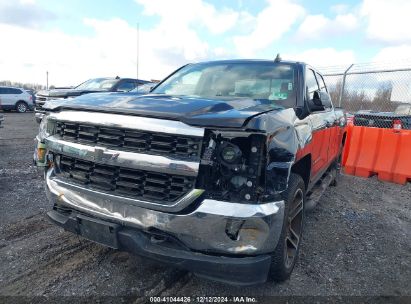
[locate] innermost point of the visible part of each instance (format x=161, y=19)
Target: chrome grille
x=147, y=185
x=131, y=140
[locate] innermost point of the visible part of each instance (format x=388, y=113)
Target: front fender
x=287, y=136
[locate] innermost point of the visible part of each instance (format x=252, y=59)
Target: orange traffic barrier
x=382, y=152
x=347, y=143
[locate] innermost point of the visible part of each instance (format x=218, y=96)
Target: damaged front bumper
x=234, y=270
x=226, y=241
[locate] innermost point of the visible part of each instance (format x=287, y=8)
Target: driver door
x=320, y=129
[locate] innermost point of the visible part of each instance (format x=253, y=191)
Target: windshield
x=103, y=84
x=268, y=82
x=143, y=88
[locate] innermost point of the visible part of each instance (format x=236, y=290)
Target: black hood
x=65, y=93
x=192, y=110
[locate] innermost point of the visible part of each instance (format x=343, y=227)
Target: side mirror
x=325, y=99
x=320, y=101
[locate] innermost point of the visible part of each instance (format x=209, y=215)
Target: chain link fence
x=378, y=93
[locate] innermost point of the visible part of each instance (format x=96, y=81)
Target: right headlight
x=233, y=166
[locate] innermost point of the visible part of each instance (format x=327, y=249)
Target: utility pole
x=138, y=49
x=47, y=80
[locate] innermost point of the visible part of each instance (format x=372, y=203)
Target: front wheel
x=336, y=170
x=21, y=107
x=288, y=247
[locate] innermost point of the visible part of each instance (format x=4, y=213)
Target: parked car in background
x=106, y=84
x=404, y=109
x=15, y=99
x=399, y=119
x=350, y=118
x=144, y=88
x=33, y=94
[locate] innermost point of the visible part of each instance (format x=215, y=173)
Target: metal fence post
x=343, y=85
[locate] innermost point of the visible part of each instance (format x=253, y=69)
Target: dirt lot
x=357, y=242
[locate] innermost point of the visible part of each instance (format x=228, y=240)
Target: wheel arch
x=303, y=168
x=21, y=100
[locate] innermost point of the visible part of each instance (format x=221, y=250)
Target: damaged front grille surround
x=99, y=155
x=147, y=160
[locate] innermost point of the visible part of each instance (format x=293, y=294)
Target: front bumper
x=234, y=270
x=213, y=226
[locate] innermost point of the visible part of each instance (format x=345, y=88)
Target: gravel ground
x=357, y=242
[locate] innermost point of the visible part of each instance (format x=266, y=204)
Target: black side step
x=326, y=180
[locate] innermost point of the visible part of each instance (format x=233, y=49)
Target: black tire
x=288, y=247
x=21, y=107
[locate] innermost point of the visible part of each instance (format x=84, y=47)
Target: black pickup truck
x=211, y=172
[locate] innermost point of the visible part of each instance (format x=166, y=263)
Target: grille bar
x=125, y=159
x=131, y=140
x=139, y=184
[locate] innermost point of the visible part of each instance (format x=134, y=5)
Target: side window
x=126, y=86
x=323, y=87
x=2, y=90
x=15, y=91
x=311, y=83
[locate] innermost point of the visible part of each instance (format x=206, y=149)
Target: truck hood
x=64, y=93
x=232, y=113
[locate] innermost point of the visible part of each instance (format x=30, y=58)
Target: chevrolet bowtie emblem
x=101, y=155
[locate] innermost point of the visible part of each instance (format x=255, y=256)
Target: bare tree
x=382, y=98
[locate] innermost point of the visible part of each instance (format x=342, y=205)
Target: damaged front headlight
x=232, y=165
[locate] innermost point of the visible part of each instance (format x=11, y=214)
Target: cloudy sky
x=80, y=39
